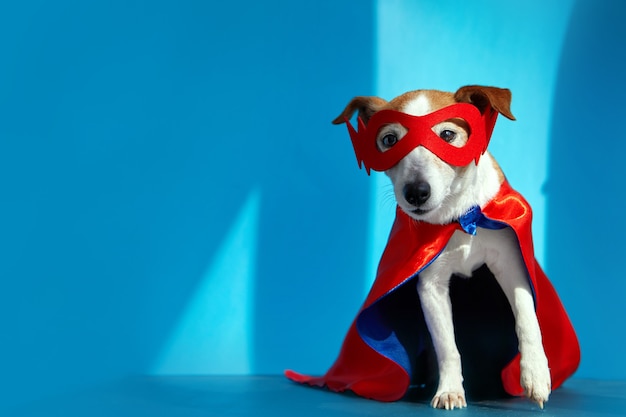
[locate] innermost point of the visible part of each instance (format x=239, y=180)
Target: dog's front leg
x=433, y=288
x=510, y=272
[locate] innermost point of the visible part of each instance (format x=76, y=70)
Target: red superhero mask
x=420, y=133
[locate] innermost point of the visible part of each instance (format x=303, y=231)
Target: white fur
x=463, y=254
x=453, y=192
x=418, y=106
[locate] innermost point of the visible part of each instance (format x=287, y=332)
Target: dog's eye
x=447, y=135
x=389, y=140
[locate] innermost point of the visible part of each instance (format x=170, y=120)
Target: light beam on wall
x=214, y=334
x=414, y=38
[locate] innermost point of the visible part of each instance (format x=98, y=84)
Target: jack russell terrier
x=432, y=145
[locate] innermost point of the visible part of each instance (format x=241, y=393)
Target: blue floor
x=276, y=396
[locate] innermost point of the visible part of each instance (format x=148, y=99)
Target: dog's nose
x=417, y=193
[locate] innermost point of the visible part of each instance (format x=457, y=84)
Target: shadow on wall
x=585, y=191
x=132, y=135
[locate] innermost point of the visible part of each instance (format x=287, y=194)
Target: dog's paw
x=535, y=380
x=449, y=400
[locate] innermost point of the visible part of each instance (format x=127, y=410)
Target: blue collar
x=475, y=218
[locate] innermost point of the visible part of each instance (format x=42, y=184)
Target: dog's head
x=425, y=186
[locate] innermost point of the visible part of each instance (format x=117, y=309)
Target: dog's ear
x=366, y=106
x=497, y=98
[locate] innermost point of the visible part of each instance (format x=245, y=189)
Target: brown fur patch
x=366, y=106
x=483, y=97
x=501, y=176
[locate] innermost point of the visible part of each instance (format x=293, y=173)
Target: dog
x=428, y=189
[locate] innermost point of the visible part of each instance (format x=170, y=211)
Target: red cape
x=388, y=348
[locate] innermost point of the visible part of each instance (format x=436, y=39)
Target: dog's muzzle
x=420, y=133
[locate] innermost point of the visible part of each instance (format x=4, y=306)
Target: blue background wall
x=172, y=192
x=174, y=199
x=585, y=189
